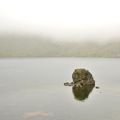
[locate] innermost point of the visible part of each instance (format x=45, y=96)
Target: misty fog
x=71, y=28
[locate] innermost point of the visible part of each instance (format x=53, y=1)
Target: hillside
x=35, y=46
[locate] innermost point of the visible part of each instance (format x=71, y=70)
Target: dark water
x=32, y=89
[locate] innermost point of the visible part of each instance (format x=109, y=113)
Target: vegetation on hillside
x=34, y=46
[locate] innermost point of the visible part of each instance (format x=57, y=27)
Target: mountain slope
x=35, y=46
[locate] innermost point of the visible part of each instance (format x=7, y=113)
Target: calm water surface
x=32, y=89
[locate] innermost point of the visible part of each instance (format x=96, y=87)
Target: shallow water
x=33, y=89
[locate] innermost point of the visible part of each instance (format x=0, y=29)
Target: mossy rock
x=82, y=75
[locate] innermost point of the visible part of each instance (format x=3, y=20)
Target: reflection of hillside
x=35, y=46
x=81, y=93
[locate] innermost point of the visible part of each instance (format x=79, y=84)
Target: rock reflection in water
x=81, y=93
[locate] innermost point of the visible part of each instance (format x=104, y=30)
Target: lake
x=33, y=89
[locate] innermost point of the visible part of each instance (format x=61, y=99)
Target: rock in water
x=82, y=85
x=82, y=77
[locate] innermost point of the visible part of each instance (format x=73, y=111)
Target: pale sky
x=61, y=17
